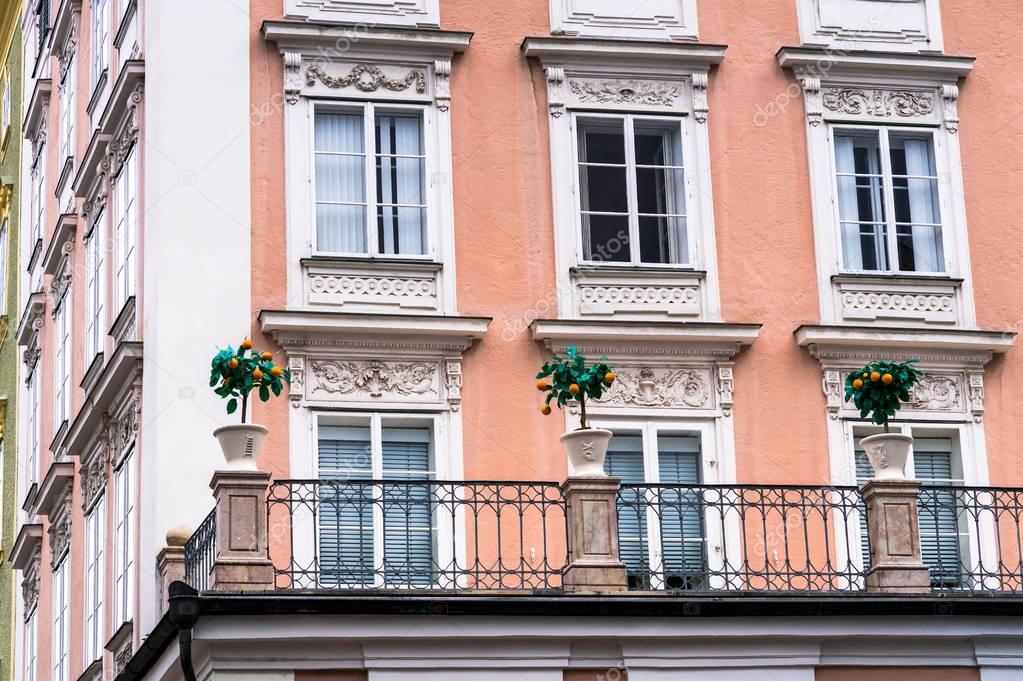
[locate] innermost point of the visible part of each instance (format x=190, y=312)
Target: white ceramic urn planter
x=241, y=444
x=888, y=454
x=586, y=449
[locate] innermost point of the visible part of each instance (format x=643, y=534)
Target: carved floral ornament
x=878, y=103
x=59, y=532
x=375, y=380
x=30, y=583
x=672, y=388
x=943, y=393
x=649, y=92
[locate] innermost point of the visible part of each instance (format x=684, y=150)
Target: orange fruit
x=875, y=377
x=257, y=374
x=276, y=371
x=858, y=383
x=574, y=388
x=609, y=377
x=887, y=379
x=542, y=385
x=233, y=363
x=247, y=344
x=545, y=409
x=267, y=355
x=866, y=375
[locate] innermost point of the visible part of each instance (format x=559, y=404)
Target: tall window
x=5, y=106
x=38, y=195
x=100, y=31
x=95, y=576
x=30, y=647
x=943, y=543
x=124, y=540
x=376, y=534
x=61, y=631
x=125, y=231
x=42, y=24
x=67, y=114
x=370, y=169
x=3, y=267
x=668, y=550
x=62, y=358
x=34, y=437
x=888, y=200
x=632, y=190
x=95, y=294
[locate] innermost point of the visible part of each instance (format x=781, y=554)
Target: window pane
x=658, y=143
x=340, y=178
x=341, y=229
x=606, y=238
x=858, y=152
x=399, y=133
x=401, y=230
x=339, y=132
x=663, y=240
x=602, y=141
x=604, y=189
x=912, y=154
x=400, y=180
x=864, y=246
x=920, y=248
x=660, y=191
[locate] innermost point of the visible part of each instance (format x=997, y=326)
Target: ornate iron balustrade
x=972, y=537
x=416, y=534
x=199, y=553
x=742, y=538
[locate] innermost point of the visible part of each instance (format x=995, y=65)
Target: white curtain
x=848, y=206
x=923, y=209
x=401, y=205
x=340, y=183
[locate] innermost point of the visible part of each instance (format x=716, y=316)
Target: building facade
x=10, y=168
x=412, y=205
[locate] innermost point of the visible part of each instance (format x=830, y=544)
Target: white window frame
x=629, y=120
x=30, y=645
x=62, y=358
x=570, y=79
x=96, y=291
x=94, y=629
x=125, y=520
x=5, y=107
x=38, y=206
x=67, y=99
x=62, y=352
x=872, y=35
x=101, y=38
x=710, y=474
x=574, y=18
x=368, y=111
x=447, y=534
x=33, y=426
x=61, y=631
x=891, y=241
x=126, y=225
x=3, y=264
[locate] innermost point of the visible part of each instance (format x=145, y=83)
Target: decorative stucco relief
x=937, y=393
x=30, y=583
x=656, y=387
x=631, y=91
x=374, y=379
x=366, y=78
x=878, y=103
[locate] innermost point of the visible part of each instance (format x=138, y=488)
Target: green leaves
x=571, y=379
x=879, y=389
x=234, y=374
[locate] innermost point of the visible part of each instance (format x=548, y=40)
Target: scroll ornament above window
x=865, y=103
x=620, y=93
x=366, y=78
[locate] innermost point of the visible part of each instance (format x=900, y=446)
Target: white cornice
x=63, y=233
x=38, y=104
x=827, y=64
x=305, y=328
x=30, y=538
x=51, y=490
x=35, y=308
x=63, y=24
x=343, y=41
x=126, y=360
x=697, y=341
x=89, y=168
x=586, y=50
x=968, y=346
x=131, y=76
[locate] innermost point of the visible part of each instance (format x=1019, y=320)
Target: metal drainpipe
x=183, y=613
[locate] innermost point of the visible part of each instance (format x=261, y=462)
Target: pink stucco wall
x=903, y=673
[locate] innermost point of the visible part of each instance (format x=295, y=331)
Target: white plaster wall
x=196, y=263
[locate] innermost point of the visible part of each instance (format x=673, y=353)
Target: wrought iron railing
x=745, y=538
x=199, y=553
x=416, y=534
x=972, y=537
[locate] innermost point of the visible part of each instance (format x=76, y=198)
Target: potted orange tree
x=878, y=390
x=573, y=380
x=234, y=375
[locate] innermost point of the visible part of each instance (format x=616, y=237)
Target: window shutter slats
x=345, y=512
x=632, y=535
x=408, y=514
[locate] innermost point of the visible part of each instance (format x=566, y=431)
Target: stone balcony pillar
x=594, y=560
x=893, y=525
x=170, y=562
x=241, y=561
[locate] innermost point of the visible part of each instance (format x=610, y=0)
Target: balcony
x=407, y=536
